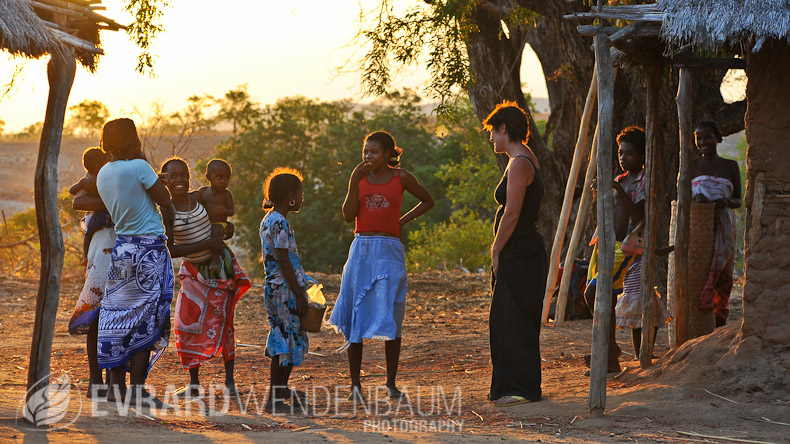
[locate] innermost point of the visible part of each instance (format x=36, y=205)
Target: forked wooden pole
x=681, y=301
x=653, y=77
x=606, y=236
x=567, y=202
x=60, y=72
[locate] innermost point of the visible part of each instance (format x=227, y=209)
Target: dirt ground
x=445, y=346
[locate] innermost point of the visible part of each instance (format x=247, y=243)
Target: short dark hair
x=214, y=163
x=279, y=184
x=388, y=143
x=635, y=136
x=513, y=117
x=119, y=136
x=174, y=159
x=93, y=159
x=711, y=125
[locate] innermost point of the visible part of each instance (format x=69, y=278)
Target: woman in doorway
x=717, y=180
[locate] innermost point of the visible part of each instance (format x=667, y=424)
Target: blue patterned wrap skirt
x=135, y=312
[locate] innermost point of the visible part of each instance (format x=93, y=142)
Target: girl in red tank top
x=372, y=298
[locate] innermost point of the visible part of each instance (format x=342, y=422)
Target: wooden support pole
x=567, y=202
x=606, y=236
x=581, y=221
x=60, y=73
x=681, y=299
x=652, y=162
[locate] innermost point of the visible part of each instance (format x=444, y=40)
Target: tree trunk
x=567, y=62
x=60, y=72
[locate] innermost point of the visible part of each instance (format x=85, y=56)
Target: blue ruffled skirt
x=372, y=299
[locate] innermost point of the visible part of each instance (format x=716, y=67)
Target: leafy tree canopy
x=324, y=141
x=87, y=118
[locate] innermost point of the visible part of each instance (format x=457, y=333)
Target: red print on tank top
x=376, y=201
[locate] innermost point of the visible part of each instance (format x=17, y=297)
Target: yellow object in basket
x=315, y=295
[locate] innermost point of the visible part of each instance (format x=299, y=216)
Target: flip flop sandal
x=519, y=400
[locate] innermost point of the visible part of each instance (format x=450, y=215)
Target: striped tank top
x=190, y=227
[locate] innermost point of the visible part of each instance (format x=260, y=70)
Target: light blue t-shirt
x=122, y=186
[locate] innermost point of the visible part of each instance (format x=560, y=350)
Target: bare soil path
x=445, y=347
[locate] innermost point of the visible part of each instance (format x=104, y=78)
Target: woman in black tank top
x=519, y=265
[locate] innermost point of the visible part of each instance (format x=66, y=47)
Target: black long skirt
x=514, y=320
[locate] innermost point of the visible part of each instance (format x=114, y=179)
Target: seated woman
x=717, y=180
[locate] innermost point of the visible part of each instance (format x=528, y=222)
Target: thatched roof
x=33, y=28
x=715, y=23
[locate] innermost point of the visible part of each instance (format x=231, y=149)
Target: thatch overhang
x=711, y=24
x=34, y=28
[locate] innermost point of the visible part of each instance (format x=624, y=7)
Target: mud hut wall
x=766, y=293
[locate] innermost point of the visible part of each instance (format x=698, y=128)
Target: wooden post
x=681, y=301
x=570, y=188
x=60, y=73
x=652, y=128
x=606, y=236
x=581, y=221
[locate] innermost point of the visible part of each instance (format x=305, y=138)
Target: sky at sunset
x=278, y=48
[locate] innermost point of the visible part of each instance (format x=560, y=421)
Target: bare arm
x=520, y=176
x=229, y=203
x=416, y=189
x=636, y=211
x=281, y=254
x=351, y=204
x=214, y=243
x=161, y=196
x=74, y=189
x=87, y=202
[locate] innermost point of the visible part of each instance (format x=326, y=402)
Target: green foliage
x=19, y=245
x=143, y=30
x=324, y=141
x=469, y=176
x=437, y=31
x=87, y=118
x=439, y=28
x=464, y=240
x=237, y=108
x=451, y=158
x=30, y=132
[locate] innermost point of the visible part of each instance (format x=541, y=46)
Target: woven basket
x=312, y=320
x=701, y=220
x=701, y=234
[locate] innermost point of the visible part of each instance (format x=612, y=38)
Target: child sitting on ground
x=286, y=281
x=92, y=160
x=217, y=199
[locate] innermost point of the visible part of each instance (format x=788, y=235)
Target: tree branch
x=730, y=118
